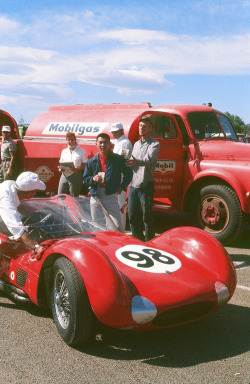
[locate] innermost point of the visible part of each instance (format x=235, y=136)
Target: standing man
x=71, y=178
x=141, y=192
x=107, y=176
x=8, y=151
x=11, y=193
x=122, y=147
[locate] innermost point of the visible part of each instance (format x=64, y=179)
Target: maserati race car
x=87, y=271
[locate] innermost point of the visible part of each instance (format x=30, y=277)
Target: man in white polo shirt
x=124, y=148
x=11, y=193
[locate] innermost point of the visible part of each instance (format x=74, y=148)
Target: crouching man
x=11, y=193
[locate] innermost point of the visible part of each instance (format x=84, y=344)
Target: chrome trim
x=222, y=293
x=142, y=310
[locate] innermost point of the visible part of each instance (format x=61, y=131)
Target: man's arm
x=27, y=240
x=127, y=175
x=12, y=159
x=151, y=155
x=88, y=175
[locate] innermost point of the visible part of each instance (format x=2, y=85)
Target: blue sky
x=87, y=52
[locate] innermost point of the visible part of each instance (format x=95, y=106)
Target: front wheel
x=70, y=305
x=217, y=210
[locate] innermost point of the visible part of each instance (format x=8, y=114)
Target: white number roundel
x=148, y=259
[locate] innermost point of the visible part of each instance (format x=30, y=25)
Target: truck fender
x=207, y=177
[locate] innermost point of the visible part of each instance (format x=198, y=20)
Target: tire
x=217, y=210
x=70, y=305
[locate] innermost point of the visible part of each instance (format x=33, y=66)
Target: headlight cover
x=143, y=311
x=222, y=293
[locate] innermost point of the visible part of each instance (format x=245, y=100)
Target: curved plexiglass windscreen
x=63, y=215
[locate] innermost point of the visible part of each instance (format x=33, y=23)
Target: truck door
x=170, y=166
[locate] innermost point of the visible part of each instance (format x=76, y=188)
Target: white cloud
x=136, y=36
x=8, y=26
x=139, y=66
x=78, y=47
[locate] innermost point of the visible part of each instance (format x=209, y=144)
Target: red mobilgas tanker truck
x=202, y=167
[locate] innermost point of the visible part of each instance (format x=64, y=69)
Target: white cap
x=29, y=181
x=6, y=128
x=116, y=127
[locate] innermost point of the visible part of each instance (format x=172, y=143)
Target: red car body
x=179, y=276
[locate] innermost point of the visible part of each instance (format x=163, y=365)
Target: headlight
x=143, y=311
x=222, y=293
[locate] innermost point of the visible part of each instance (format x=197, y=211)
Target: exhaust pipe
x=15, y=293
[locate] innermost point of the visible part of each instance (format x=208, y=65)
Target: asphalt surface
x=214, y=350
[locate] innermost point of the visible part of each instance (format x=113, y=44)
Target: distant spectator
x=122, y=147
x=72, y=163
x=8, y=152
x=141, y=191
x=107, y=176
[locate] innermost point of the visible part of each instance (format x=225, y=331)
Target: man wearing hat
x=122, y=147
x=141, y=191
x=8, y=150
x=11, y=193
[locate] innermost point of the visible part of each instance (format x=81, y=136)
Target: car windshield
x=208, y=125
x=63, y=215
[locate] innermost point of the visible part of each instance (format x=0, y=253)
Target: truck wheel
x=70, y=305
x=217, y=210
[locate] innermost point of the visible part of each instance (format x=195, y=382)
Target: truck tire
x=70, y=305
x=217, y=210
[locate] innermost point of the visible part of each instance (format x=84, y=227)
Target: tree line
x=239, y=125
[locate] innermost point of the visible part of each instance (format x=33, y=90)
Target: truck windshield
x=208, y=125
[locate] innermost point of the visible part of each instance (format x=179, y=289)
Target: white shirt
x=9, y=214
x=77, y=156
x=122, y=143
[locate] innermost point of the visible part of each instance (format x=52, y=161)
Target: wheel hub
x=58, y=299
x=210, y=215
x=214, y=213
x=61, y=300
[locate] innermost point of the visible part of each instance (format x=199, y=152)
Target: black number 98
x=144, y=261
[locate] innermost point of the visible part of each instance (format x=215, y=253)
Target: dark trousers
x=140, y=201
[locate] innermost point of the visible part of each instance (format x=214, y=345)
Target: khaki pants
x=110, y=203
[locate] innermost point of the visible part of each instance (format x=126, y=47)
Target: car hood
x=224, y=150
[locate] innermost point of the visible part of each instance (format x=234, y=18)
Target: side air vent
x=21, y=277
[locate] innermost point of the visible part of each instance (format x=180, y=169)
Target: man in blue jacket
x=103, y=175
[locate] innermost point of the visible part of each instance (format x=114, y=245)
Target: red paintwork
x=212, y=161
x=111, y=284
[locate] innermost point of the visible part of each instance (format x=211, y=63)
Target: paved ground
x=212, y=351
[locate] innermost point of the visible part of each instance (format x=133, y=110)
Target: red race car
x=88, y=270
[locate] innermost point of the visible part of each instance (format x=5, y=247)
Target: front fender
x=106, y=289
x=201, y=249
x=209, y=176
